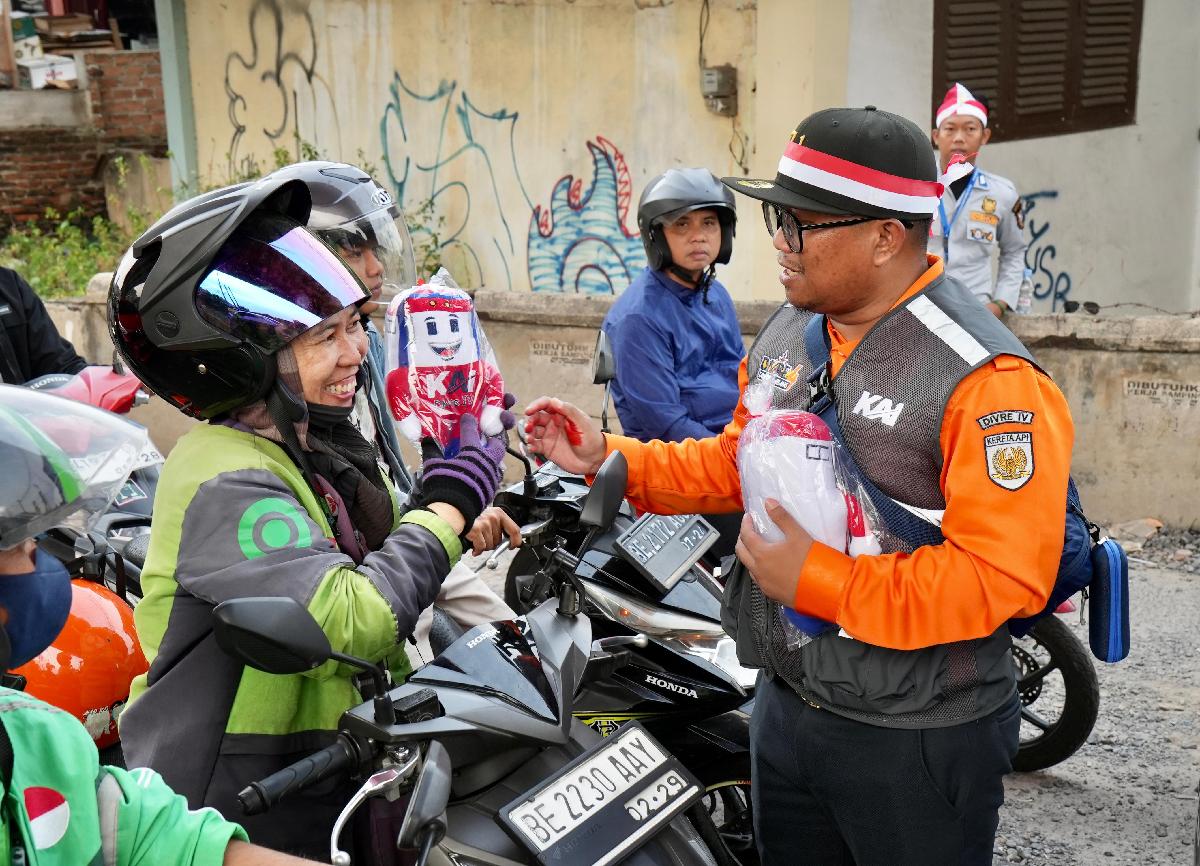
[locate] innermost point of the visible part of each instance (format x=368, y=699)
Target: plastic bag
x=440, y=364
x=791, y=457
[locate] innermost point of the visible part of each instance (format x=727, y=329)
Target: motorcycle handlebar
x=258, y=797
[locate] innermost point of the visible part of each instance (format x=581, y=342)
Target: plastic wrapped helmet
x=361, y=221
x=203, y=300
x=674, y=193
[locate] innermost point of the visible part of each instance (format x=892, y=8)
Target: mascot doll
x=790, y=457
x=440, y=366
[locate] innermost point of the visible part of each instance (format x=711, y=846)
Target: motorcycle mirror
x=427, y=805
x=603, y=501
x=275, y=635
x=604, y=366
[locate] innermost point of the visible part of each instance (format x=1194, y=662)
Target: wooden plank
x=8, y=63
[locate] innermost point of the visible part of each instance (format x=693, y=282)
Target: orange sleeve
x=1003, y=528
x=695, y=475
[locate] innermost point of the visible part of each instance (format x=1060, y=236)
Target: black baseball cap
x=853, y=161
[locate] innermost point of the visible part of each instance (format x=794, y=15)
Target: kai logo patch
x=1004, y=416
x=1009, y=459
x=876, y=408
x=779, y=373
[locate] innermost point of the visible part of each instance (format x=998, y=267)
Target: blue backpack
x=1095, y=566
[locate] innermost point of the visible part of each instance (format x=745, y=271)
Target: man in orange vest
x=885, y=739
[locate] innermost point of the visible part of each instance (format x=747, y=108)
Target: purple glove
x=470, y=478
x=508, y=419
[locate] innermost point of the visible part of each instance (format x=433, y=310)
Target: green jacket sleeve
x=144, y=822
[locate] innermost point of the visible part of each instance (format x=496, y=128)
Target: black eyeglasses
x=1088, y=307
x=778, y=218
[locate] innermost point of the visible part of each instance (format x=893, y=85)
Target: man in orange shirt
x=884, y=740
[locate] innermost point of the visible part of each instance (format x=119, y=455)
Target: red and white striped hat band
x=960, y=101
x=858, y=182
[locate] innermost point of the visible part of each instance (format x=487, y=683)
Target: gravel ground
x=1129, y=795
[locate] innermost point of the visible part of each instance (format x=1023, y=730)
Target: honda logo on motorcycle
x=671, y=687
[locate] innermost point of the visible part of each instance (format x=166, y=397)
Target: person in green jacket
x=58, y=805
x=230, y=309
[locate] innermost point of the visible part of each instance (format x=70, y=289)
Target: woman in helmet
x=362, y=224
x=63, y=462
x=674, y=332
x=235, y=313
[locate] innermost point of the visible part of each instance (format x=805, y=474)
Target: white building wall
x=1112, y=214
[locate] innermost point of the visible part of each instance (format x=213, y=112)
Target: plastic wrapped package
x=440, y=364
x=791, y=457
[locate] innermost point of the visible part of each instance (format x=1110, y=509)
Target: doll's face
x=441, y=338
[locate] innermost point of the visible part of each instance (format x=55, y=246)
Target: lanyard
x=957, y=208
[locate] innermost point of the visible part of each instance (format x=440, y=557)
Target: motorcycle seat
x=137, y=548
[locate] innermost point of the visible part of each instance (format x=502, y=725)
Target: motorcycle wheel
x=727, y=802
x=1060, y=695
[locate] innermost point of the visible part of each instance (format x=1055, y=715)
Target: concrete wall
x=1133, y=385
x=533, y=126
x=1112, y=214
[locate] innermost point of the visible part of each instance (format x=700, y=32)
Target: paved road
x=1129, y=795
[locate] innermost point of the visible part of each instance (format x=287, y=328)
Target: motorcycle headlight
x=686, y=634
x=651, y=621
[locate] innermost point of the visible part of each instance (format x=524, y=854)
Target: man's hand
x=490, y=528
x=996, y=309
x=565, y=435
x=775, y=566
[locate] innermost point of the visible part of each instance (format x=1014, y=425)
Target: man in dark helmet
x=674, y=332
x=233, y=311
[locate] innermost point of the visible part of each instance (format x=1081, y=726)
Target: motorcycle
x=484, y=739
x=89, y=667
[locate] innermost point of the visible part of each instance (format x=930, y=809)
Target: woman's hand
x=565, y=435
x=489, y=530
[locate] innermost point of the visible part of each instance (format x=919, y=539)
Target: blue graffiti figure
x=580, y=243
x=1039, y=257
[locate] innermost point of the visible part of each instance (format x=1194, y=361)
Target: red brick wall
x=41, y=168
x=61, y=167
x=125, y=91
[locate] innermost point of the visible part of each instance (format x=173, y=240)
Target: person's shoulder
x=996, y=183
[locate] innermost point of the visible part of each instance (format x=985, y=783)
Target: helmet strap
x=692, y=278
x=285, y=410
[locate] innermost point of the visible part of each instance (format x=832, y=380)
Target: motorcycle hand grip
x=258, y=797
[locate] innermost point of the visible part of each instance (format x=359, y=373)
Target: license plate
x=604, y=804
x=663, y=547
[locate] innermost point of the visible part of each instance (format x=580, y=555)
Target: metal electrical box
x=718, y=85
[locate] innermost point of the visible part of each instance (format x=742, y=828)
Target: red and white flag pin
x=49, y=814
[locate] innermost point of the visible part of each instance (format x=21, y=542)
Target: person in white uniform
x=979, y=217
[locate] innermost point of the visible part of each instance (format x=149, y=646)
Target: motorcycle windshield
x=496, y=659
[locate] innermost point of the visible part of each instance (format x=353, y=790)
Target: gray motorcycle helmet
x=353, y=213
x=678, y=191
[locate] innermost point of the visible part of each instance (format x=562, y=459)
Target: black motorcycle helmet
x=674, y=193
x=349, y=210
x=203, y=300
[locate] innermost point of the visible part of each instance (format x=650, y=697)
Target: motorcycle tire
x=727, y=804
x=1059, y=739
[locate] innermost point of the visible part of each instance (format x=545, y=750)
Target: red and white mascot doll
x=440, y=366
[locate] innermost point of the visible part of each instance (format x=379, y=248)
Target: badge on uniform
x=1009, y=459
x=1019, y=215
x=976, y=233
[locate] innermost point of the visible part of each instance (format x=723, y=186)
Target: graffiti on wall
x=1050, y=278
x=580, y=243
x=441, y=154
x=274, y=82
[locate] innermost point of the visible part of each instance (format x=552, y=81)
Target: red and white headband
x=960, y=101
x=867, y=185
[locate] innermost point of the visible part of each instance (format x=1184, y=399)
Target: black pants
x=829, y=790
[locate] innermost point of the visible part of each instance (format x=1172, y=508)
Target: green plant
x=58, y=257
